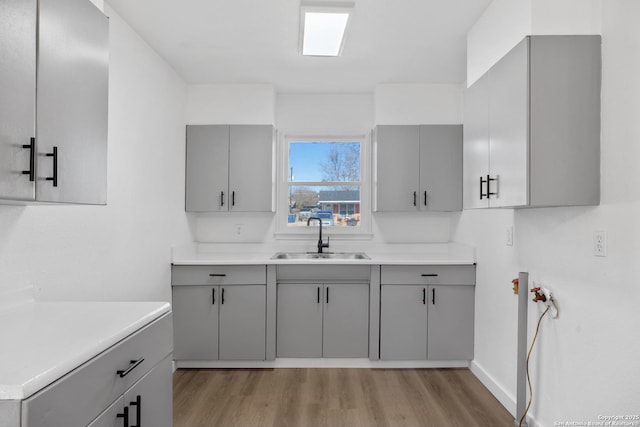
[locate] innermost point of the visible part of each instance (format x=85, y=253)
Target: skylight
x=323, y=27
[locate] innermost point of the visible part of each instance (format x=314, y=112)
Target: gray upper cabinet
x=230, y=168
x=418, y=168
x=55, y=150
x=532, y=126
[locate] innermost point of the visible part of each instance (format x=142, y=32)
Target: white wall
x=120, y=251
x=585, y=362
x=418, y=104
x=230, y=104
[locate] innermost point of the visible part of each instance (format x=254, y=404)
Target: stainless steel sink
x=324, y=255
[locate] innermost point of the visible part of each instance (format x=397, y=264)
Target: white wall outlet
x=238, y=229
x=509, y=235
x=600, y=243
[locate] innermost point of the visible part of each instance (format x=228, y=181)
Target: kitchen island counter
x=43, y=341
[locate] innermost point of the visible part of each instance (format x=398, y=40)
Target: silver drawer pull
x=134, y=365
x=430, y=275
x=217, y=275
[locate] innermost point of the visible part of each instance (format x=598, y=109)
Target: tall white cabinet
x=53, y=108
x=230, y=168
x=418, y=168
x=532, y=126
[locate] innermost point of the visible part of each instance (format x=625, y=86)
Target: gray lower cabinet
x=53, y=108
x=131, y=380
x=219, y=322
x=322, y=320
x=148, y=403
x=427, y=312
x=219, y=312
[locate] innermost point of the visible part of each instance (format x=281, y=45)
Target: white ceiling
x=256, y=41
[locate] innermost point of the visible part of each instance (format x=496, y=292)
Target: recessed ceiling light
x=323, y=27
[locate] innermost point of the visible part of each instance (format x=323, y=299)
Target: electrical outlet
x=600, y=243
x=239, y=229
x=509, y=240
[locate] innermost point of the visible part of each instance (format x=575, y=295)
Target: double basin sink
x=321, y=255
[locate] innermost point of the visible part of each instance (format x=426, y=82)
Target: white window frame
x=363, y=231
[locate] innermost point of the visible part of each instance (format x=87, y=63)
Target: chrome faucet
x=321, y=243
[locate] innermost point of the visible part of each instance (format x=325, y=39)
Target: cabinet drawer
x=428, y=275
x=80, y=396
x=218, y=275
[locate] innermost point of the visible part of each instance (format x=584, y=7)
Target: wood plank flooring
x=334, y=397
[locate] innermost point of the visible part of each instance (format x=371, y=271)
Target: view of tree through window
x=324, y=181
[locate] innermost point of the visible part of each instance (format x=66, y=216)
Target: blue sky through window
x=306, y=158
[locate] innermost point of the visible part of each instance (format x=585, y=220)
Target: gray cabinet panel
x=397, y=168
x=346, y=320
x=18, y=100
x=72, y=105
x=323, y=273
x=150, y=400
x=218, y=275
x=509, y=119
x=403, y=322
x=440, y=167
x=195, y=322
x=299, y=320
x=428, y=274
x=207, y=168
x=109, y=418
x=451, y=319
x=251, y=174
x=242, y=322
x=476, y=143
x=565, y=120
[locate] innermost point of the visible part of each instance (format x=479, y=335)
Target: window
x=324, y=179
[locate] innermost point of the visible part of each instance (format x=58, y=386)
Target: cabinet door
x=346, y=320
x=299, y=320
x=113, y=416
x=475, y=146
x=397, y=168
x=450, y=322
x=207, y=168
x=243, y=322
x=440, y=168
x=150, y=400
x=72, y=93
x=403, y=322
x=195, y=322
x=251, y=176
x=509, y=134
x=17, y=103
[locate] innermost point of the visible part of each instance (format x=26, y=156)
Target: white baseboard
x=322, y=363
x=507, y=399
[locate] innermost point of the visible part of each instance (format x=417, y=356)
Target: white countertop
x=404, y=254
x=42, y=341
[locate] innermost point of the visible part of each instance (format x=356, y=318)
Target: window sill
x=284, y=235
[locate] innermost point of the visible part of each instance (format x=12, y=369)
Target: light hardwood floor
x=334, y=397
